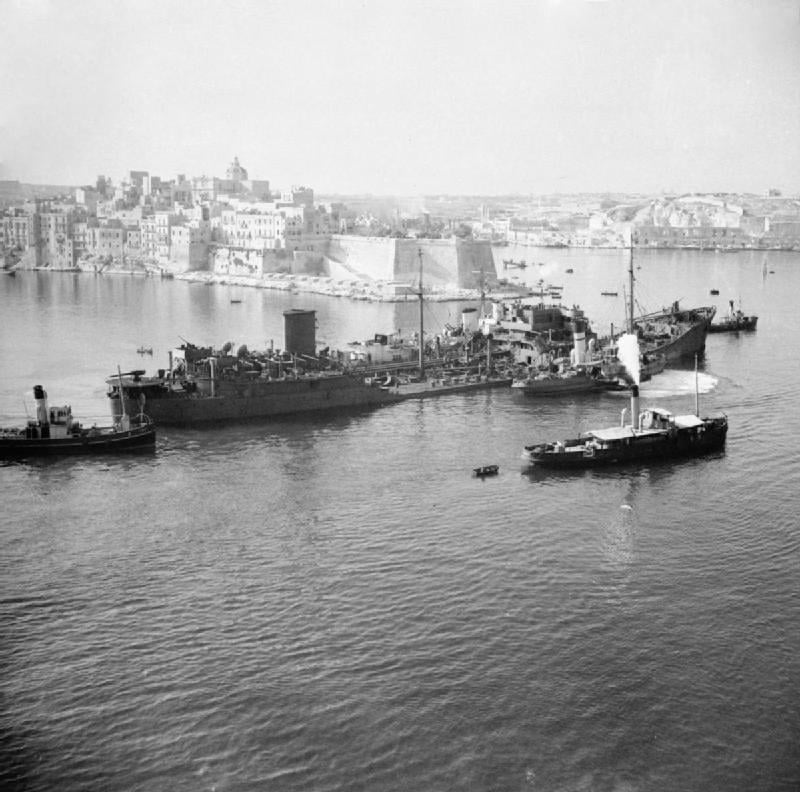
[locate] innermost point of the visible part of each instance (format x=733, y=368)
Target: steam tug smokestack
x=579, y=341
x=40, y=396
x=635, y=406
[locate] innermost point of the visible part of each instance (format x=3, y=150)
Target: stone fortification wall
x=445, y=262
x=231, y=260
x=361, y=258
x=476, y=267
x=308, y=262
x=439, y=261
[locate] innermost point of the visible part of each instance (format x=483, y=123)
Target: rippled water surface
x=335, y=603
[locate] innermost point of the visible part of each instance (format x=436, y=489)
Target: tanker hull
x=253, y=401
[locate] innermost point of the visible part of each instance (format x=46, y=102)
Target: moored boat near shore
x=735, y=321
x=55, y=432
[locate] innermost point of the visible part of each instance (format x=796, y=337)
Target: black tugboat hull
x=136, y=439
x=734, y=326
x=666, y=447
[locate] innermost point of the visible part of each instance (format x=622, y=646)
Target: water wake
x=674, y=382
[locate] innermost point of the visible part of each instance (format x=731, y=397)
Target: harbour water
x=335, y=603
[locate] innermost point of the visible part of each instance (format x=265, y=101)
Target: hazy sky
x=406, y=97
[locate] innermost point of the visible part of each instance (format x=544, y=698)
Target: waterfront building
x=163, y=236
x=257, y=227
x=188, y=246
x=147, y=238
x=80, y=229
x=647, y=235
x=17, y=229
x=264, y=226
x=54, y=243
x=132, y=243
x=782, y=233
x=106, y=242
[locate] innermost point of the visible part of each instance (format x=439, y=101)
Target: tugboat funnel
x=635, y=406
x=579, y=343
x=40, y=397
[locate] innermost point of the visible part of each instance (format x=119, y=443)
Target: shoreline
x=377, y=291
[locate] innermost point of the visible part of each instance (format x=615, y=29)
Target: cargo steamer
x=674, y=333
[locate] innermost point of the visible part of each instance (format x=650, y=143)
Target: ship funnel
x=299, y=328
x=40, y=397
x=579, y=342
x=469, y=320
x=635, y=406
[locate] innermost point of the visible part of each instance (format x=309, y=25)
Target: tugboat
x=733, y=322
x=653, y=434
x=55, y=432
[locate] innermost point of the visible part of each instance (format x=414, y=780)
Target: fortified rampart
x=461, y=263
x=361, y=258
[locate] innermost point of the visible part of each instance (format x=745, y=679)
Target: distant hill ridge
x=13, y=190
